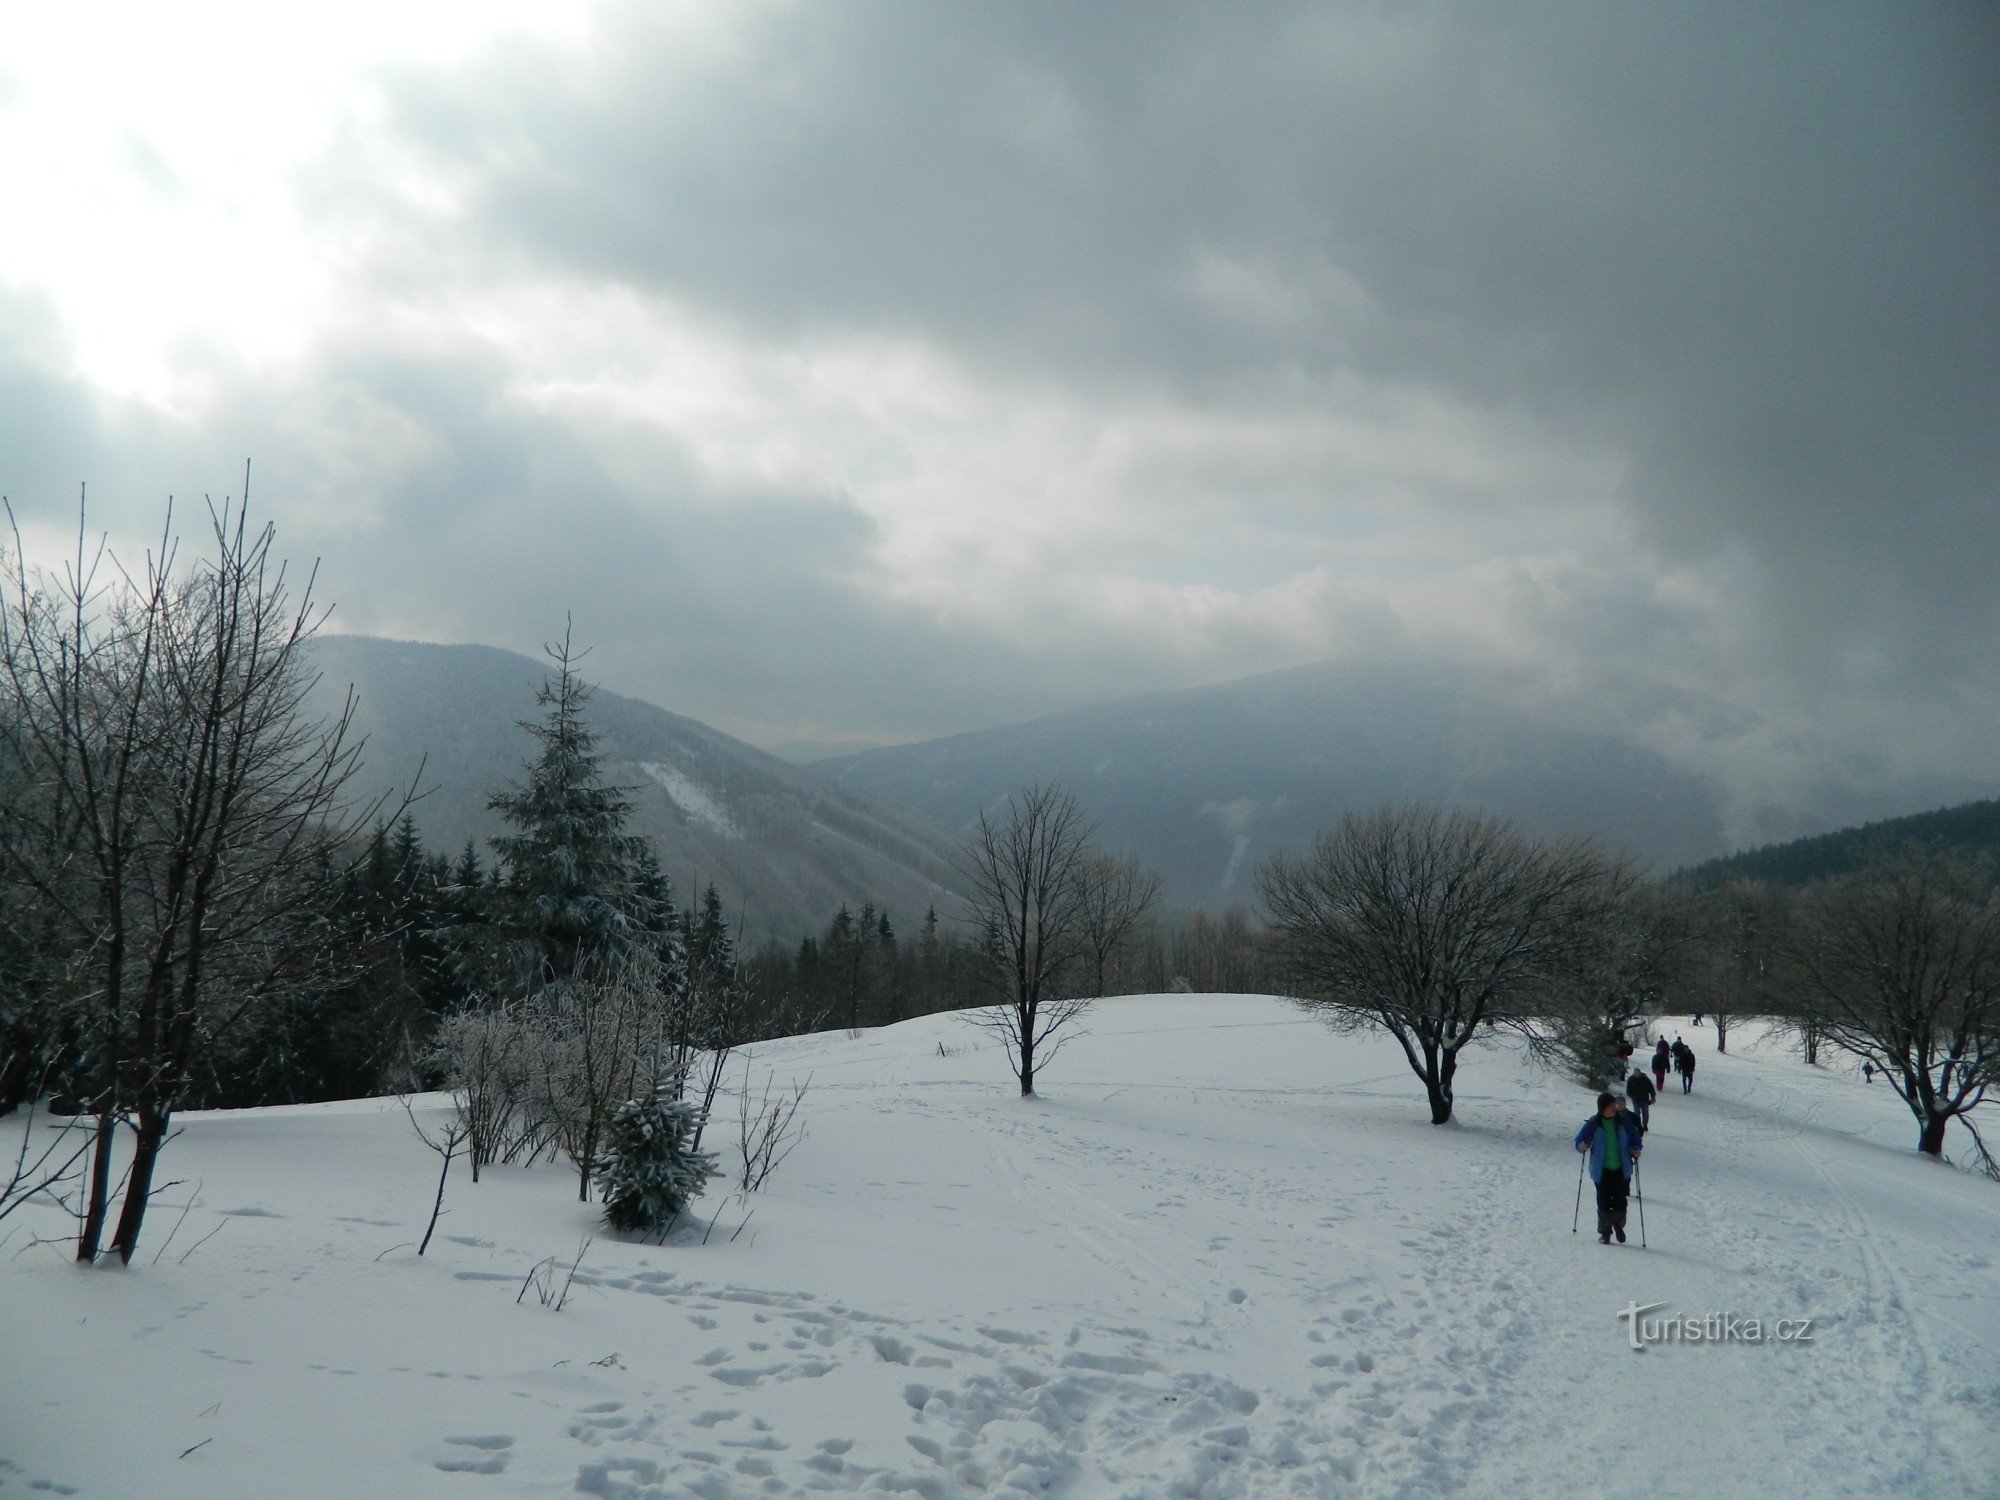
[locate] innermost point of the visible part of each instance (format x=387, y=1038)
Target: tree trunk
x=1024, y=1017
x=1437, y=1083
x=99, y=1203
x=1440, y=1101
x=1930, y=1140
x=151, y=1135
x=1721, y=1032
x=437, y=1203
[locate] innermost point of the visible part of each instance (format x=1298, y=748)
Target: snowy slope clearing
x=1225, y=1256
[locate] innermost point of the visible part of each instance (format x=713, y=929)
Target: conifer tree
x=843, y=962
x=653, y=1166
x=406, y=857
x=569, y=862
x=654, y=915
x=709, y=945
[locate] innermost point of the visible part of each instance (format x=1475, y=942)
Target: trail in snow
x=1225, y=1257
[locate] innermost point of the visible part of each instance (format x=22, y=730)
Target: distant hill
x=1972, y=829
x=1204, y=784
x=783, y=846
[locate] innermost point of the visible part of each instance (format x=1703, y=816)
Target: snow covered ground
x=1224, y=1256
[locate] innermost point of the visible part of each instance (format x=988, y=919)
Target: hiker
x=1684, y=1065
x=1610, y=1144
x=1868, y=1072
x=1697, y=1018
x=1639, y=1089
x=1662, y=1060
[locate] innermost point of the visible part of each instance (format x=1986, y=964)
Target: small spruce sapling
x=651, y=1168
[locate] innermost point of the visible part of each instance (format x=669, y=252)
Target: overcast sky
x=874, y=371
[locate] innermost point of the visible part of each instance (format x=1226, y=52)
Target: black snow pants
x=1612, y=1188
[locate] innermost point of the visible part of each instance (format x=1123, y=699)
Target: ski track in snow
x=1225, y=1258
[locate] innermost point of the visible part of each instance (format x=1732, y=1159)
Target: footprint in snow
x=483, y=1453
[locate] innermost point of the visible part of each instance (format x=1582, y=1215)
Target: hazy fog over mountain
x=1206, y=783
x=783, y=847
x=1203, y=783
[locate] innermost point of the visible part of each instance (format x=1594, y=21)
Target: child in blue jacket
x=1611, y=1144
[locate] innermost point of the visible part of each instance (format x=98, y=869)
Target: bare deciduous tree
x=1025, y=873
x=450, y=1140
x=765, y=1130
x=1426, y=924
x=184, y=809
x=1626, y=960
x=599, y=1045
x=1900, y=966
x=1113, y=897
x=1730, y=969
x=479, y=1053
x=43, y=1168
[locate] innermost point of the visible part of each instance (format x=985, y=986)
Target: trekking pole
x=1639, y=1193
x=1575, y=1217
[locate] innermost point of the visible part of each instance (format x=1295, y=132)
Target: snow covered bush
x=479, y=1053
x=650, y=1168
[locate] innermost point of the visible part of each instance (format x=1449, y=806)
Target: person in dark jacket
x=1684, y=1065
x=1639, y=1089
x=1662, y=1060
x=1611, y=1146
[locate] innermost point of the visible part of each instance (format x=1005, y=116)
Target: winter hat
x=1606, y=1098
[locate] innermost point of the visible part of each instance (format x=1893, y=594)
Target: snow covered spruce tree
x=1899, y=965
x=1026, y=875
x=652, y=1166
x=569, y=864
x=1427, y=924
x=606, y=989
x=574, y=975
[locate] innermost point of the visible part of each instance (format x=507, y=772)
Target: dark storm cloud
x=1753, y=249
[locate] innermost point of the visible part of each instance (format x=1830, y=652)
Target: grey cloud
x=1741, y=258
x=1751, y=250
x=440, y=508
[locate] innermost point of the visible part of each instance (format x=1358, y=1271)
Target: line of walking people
x=1612, y=1140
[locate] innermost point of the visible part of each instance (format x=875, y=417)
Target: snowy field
x=1225, y=1256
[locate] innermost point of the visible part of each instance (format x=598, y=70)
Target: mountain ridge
x=1970, y=828
x=1204, y=783
x=783, y=846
